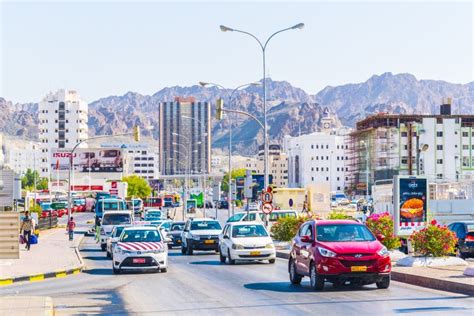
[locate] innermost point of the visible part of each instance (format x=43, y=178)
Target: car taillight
x=469, y=237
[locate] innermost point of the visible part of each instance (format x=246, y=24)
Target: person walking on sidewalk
x=70, y=228
x=26, y=227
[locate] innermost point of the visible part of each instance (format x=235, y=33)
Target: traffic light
x=219, y=107
x=136, y=133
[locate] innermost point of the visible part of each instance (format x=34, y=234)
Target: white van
x=272, y=218
x=109, y=220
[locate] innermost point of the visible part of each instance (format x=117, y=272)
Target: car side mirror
x=306, y=238
x=225, y=237
x=168, y=240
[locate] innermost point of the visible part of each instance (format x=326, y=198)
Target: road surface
x=200, y=285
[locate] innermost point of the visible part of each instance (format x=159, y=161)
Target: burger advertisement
x=411, y=204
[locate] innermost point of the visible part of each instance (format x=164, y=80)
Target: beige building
x=278, y=164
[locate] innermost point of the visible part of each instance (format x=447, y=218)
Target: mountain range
x=291, y=110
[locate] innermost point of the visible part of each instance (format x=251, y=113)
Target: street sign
x=267, y=208
x=58, y=205
x=266, y=197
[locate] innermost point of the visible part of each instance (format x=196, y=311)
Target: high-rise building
x=23, y=156
x=185, y=137
x=62, y=124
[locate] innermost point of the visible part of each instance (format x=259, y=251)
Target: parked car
x=338, y=251
x=200, y=234
x=465, y=233
x=245, y=241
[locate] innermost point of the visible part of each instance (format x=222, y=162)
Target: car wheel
x=231, y=261
x=459, y=254
x=189, y=249
x=271, y=261
x=221, y=257
x=103, y=247
x=164, y=270
x=183, y=250
x=315, y=280
x=115, y=270
x=170, y=247
x=384, y=283
x=295, y=278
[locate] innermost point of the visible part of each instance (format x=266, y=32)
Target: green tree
x=236, y=173
x=137, y=186
x=28, y=181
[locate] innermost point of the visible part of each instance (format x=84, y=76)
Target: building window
x=439, y=161
x=439, y=147
x=439, y=176
x=465, y=147
x=404, y=134
x=465, y=161
x=312, y=169
x=404, y=160
x=439, y=120
x=465, y=134
x=327, y=146
x=312, y=178
x=327, y=157
x=439, y=134
x=327, y=178
x=312, y=146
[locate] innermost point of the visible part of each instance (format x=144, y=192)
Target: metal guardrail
x=47, y=222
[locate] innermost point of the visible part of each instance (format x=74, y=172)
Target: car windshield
x=177, y=227
x=205, y=225
x=236, y=217
x=343, y=233
x=112, y=206
x=141, y=235
x=243, y=231
x=118, y=230
x=116, y=219
x=470, y=228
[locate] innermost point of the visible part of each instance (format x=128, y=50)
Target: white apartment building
x=62, y=124
x=2, y=154
x=23, y=156
x=143, y=161
x=318, y=158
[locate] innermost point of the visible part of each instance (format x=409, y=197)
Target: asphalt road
x=201, y=285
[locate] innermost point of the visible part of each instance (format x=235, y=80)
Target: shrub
x=238, y=203
x=338, y=215
x=382, y=227
x=286, y=227
x=35, y=208
x=434, y=240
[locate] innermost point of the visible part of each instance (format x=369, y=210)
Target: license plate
x=255, y=253
x=208, y=241
x=139, y=260
x=359, y=268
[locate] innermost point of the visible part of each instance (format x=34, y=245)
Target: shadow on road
x=99, y=271
x=97, y=258
x=304, y=287
x=207, y=263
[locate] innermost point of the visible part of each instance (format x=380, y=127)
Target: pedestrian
x=26, y=227
x=70, y=228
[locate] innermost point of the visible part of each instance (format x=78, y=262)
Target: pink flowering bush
x=381, y=226
x=434, y=240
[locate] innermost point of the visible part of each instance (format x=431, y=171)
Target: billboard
x=410, y=204
x=88, y=160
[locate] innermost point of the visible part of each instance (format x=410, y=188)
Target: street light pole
x=229, y=97
x=263, y=47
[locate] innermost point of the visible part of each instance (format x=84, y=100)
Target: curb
x=48, y=275
x=431, y=283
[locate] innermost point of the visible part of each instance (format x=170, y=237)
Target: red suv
x=338, y=251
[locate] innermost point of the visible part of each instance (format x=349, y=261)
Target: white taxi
x=246, y=241
x=140, y=248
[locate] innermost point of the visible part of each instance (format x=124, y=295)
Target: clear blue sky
x=110, y=48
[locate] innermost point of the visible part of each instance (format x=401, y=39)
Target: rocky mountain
x=291, y=111
x=399, y=93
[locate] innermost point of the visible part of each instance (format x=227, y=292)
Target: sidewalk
x=26, y=305
x=53, y=256
x=449, y=278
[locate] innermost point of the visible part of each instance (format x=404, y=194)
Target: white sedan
x=140, y=248
x=245, y=241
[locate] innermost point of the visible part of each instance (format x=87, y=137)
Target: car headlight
x=161, y=250
x=270, y=245
x=194, y=237
x=383, y=252
x=237, y=246
x=326, y=253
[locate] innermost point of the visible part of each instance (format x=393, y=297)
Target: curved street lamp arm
x=271, y=36
x=253, y=36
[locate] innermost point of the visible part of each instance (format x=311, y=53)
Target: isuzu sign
x=410, y=204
